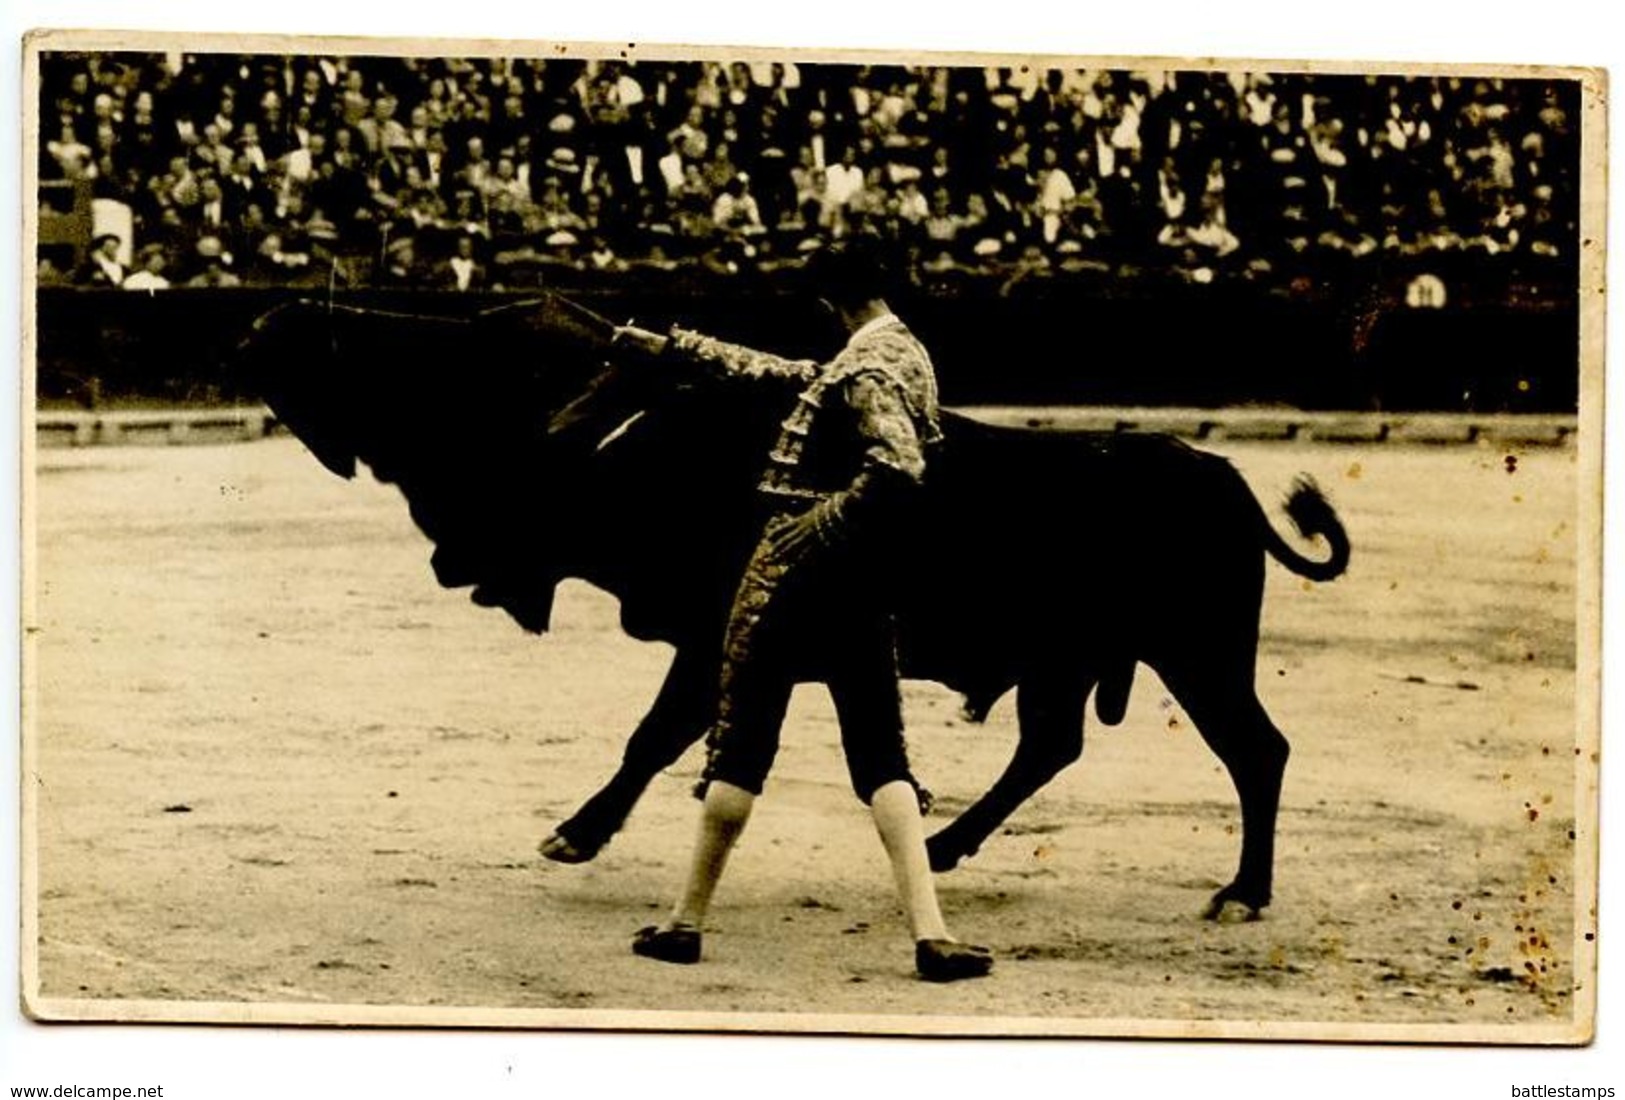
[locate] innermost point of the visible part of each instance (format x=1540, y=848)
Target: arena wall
x=1039, y=343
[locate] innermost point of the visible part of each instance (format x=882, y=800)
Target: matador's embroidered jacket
x=867, y=415
x=859, y=430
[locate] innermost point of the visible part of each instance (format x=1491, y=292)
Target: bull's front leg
x=679, y=717
x=1050, y=713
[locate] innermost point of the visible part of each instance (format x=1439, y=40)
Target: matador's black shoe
x=949, y=961
x=672, y=945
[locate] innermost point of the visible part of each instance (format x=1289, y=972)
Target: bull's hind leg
x=1225, y=708
x=677, y=719
x=1049, y=708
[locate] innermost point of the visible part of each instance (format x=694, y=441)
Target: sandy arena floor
x=277, y=765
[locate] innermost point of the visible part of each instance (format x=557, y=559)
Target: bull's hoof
x=1226, y=908
x=560, y=849
x=942, y=857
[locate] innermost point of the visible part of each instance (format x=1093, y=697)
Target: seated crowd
x=464, y=174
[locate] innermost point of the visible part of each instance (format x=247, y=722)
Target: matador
x=815, y=598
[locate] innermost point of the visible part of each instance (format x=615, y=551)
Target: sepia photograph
x=537, y=535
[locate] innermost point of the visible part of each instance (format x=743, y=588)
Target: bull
x=1048, y=563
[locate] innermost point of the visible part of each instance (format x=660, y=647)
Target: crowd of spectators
x=466, y=174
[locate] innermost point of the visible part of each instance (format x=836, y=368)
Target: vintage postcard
x=1114, y=544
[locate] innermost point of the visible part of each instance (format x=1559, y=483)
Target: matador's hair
x=850, y=272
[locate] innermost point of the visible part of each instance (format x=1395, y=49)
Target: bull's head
x=497, y=430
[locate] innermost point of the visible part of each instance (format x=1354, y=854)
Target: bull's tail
x=1313, y=516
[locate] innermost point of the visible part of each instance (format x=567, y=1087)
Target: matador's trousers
x=816, y=613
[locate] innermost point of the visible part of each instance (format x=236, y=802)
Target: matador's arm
x=893, y=463
x=718, y=357
x=737, y=361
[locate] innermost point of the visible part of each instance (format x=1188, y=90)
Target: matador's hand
x=818, y=526
x=639, y=339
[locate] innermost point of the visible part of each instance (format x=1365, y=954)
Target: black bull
x=1047, y=562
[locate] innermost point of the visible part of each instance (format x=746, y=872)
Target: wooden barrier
x=154, y=427
x=250, y=422
x=1282, y=425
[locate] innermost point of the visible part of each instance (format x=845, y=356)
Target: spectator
x=250, y=226
x=225, y=115
x=474, y=168
x=816, y=145
x=1325, y=142
x=1211, y=233
x=553, y=209
x=940, y=172
x=1030, y=264
x=312, y=96
x=244, y=179
x=353, y=102
x=843, y=182
x=869, y=204
x=507, y=199
x=211, y=209
x=345, y=153
x=942, y=226
x=1086, y=219
x=689, y=139
x=670, y=167
x=276, y=260
x=437, y=107
x=564, y=165
x=48, y=273
x=691, y=206
x=808, y=183
x=735, y=211
x=142, y=141
x=213, y=259
x=431, y=161
x=211, y=152
x=427, y=210
x=341, y=191
x=912, y=206
x=592, y=213
x=1055, y=194
x=975, y=229
x=72, y=159
x=102, y=267
x=1008, y=202
x=381, y=131
x=461, y=271
x=417, y=133
x=512, y=122
x=1351, y=166
x=601, y=256
x=300, y=164
x=272, y=129
x=525, y=158
x=719, y=169
x=401, y=270
x=149, y=276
